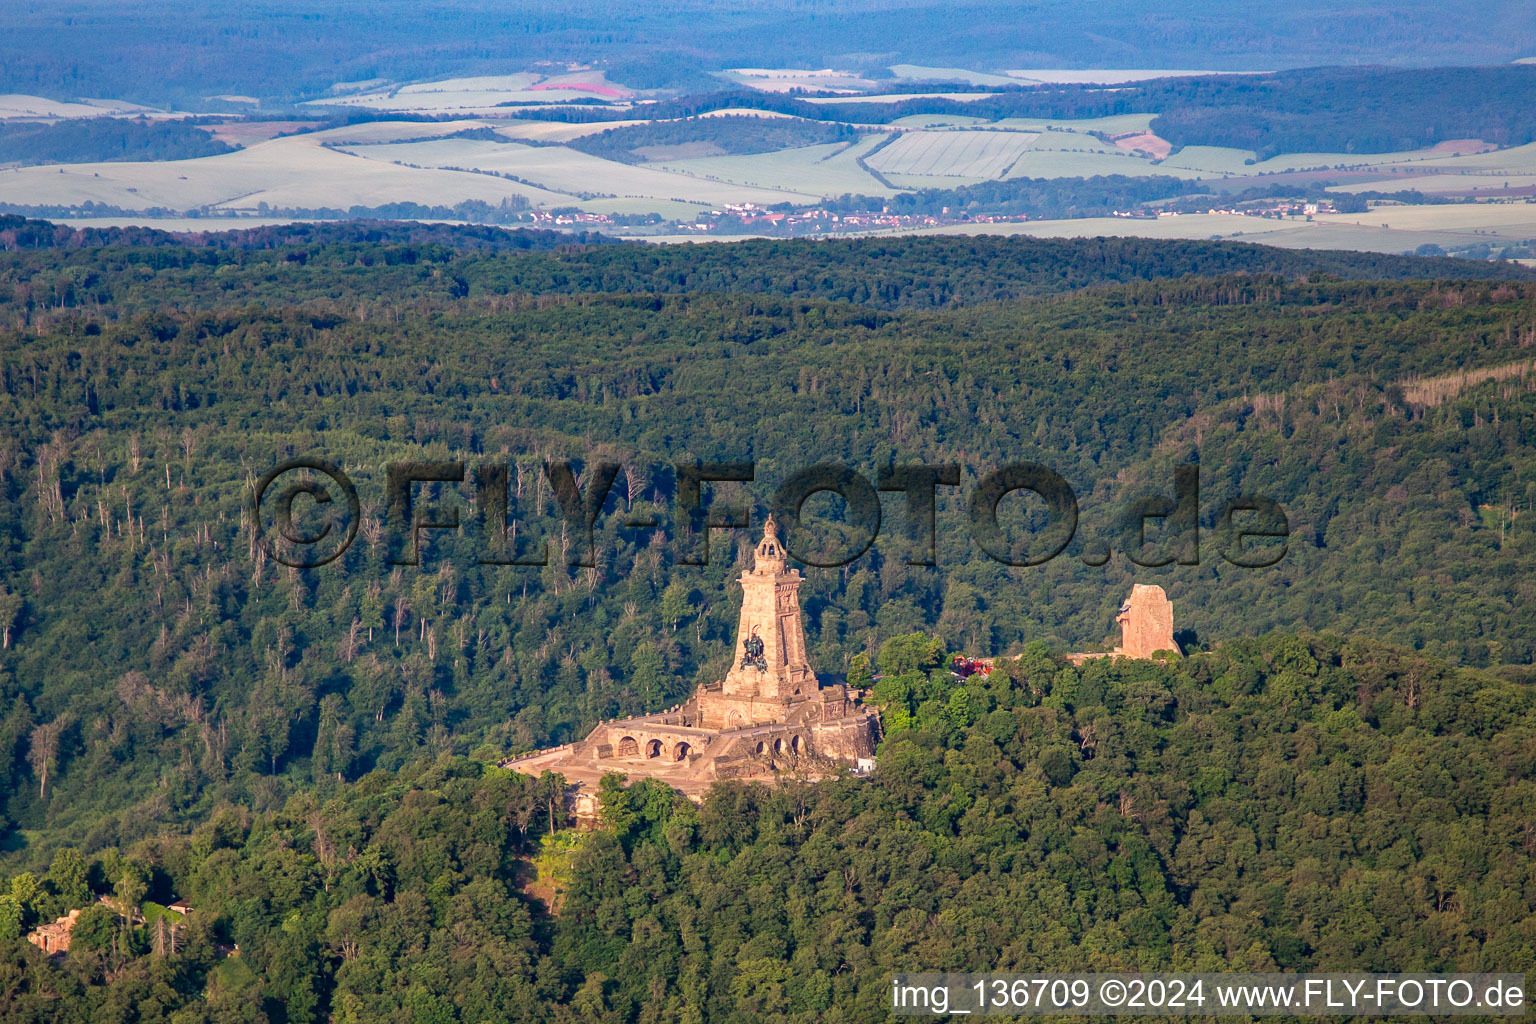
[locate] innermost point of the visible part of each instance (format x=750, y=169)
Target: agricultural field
x=827, y=170
x=15, y=105
x=369, y=132
x=565, y=170
x=1067, y=161
x=1119, y=124
x=960, y=153
x=553, y=131
x=1048, y=76
x=523, y=147
x=482, y=93
x=918, y=73
x=786, y=79
x=1386, y=229
x=292, y=172
x=900, y=97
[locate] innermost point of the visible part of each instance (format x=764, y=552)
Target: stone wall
x=55, y=938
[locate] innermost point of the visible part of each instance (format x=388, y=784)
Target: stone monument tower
x=770, y=642
x=769, y=712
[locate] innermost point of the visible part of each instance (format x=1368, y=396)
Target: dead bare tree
x=43, y=754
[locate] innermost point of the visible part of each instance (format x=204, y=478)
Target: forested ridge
x=1285, y=803
x=304, y=755
x=104, y=138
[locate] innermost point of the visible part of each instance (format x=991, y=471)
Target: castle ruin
x=1146, y=626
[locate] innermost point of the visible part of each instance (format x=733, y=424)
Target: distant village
x=750, y=218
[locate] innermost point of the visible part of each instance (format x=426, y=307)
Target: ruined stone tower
x=770, y=611
x=1146, y=623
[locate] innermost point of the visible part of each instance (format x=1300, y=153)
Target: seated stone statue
x=754, y=653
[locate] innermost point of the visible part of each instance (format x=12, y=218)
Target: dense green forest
x=100, y=139
x=1295, y=803
x=303, y=753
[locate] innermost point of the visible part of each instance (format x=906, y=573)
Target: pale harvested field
x=897, y=97
x=785, y=79
x=1188, y=226
x=1441, y=183
x=918, y=72
x=289, y=172
x=483, y=93
x=555, y=131
x=957, y=153
x=1515, y=160
x=918, y=181
x=396, y=131
x=1153, y=146
x=1101, y=77
x=937, y=121
x=569, y=171
x=22, y=105
x=1520, y=160
x=827, y=170
x=743, y=112
x=1049, y=163
x=1501, y=220
x=1075, y=142
x=1209, y=160
x=1336, y=232
x=1115, y=125
x=248, y=133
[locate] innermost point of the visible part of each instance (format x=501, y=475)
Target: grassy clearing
x=554, y=866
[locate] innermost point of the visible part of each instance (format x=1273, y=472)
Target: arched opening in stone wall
x=680, y=752
x=778, y=746
x=762, y=748
x=629, y=747
x=734, y=720
x=797, y=745
x=653, y=748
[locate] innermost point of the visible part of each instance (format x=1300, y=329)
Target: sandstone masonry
x=768, y=714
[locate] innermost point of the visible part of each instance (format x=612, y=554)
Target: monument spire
x=770, y=638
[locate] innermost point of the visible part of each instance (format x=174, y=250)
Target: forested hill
x=133, y=440
x=1295, y=804
x=23, y=233
x=301, y=752
x=107, y=271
